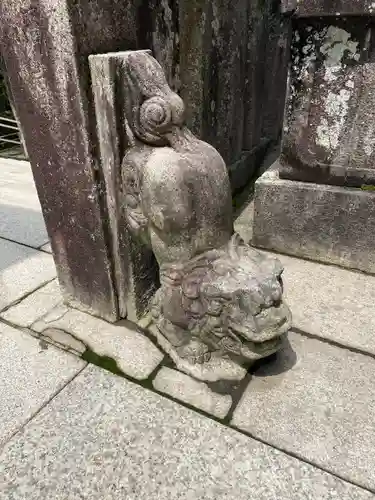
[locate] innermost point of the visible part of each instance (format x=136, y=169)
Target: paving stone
x=46, y=248
x=30, y=375
x=330, y=302
x=22, y=270
x=26, y=312
x=106, y=438
x=318, y=401
x=186, y=389
x=134, y=353
x=21, y=217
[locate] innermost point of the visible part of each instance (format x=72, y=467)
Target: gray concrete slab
x=191, y=391
x=21, y=218
x=22, y=270
x=30, y=375
x=318, y=401
x=133, y=352
x=330, y=302
x=34, y=306
x=106, y=438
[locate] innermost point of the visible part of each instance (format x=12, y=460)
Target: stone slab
x=34, y=306
x=324, y=223
x=30, y=375
x=133, y=352
x=191, y=391
x=22, y=270
x=21, y=218
x=106, y=438
x=329, y=302
x=317, y=401
x=317, y=8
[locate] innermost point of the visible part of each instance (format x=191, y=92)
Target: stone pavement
x=300, y=426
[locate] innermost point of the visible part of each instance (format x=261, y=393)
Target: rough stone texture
x=218, y=297
x=104, y=437
x=134, y=353
x=277, y=32
x=318, y=8
x=325, y=223
x=329, y=135
x=331, y=302
x=34, y=306
x=30, y=375
x=22, y=270
x=136, y=270
x=21, y=218
x=63, y=340
x=217, y=368
x=51, y=40
x=229, y=53
x=317, y=401
x=186, y=389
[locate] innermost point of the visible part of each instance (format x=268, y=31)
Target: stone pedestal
x=319, y=222
x=329, y=140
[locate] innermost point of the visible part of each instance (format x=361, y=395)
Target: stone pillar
x=318, y=201
x=45, y=45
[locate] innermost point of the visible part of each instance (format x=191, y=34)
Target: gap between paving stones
x=17, y=301
x=24, y=244
x=147, y=384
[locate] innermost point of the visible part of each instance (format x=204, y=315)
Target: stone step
x=105, y=437
x=330, y=302
x=316, y=401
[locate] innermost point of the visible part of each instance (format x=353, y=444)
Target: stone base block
x=330, y=224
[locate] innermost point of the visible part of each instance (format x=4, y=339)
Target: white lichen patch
x=337, y=46
x=335, y=107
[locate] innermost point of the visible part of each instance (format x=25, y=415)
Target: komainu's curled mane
x=226, y=301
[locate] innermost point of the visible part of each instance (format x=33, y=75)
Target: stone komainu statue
x=218, y=296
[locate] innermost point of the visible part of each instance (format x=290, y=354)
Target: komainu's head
x=231, y=299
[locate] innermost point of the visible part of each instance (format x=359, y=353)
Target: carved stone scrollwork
x=220, y=301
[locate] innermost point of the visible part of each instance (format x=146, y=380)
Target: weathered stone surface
x=52, y=40
x=21, y=218
x=330, y=302
x=63, y=340
x=329, y=134
x=34, y=306
x=317, y=401
x=104, y=437
x=134, y=353
x=30, y=375
x=318, y=8
x=218, y=297
x=186, y=389
x=325, y=223
x=276, y=62
x=136, y=270
x=216, y=368
x=22, y=270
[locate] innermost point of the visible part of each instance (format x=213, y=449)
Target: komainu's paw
x=195, y=352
